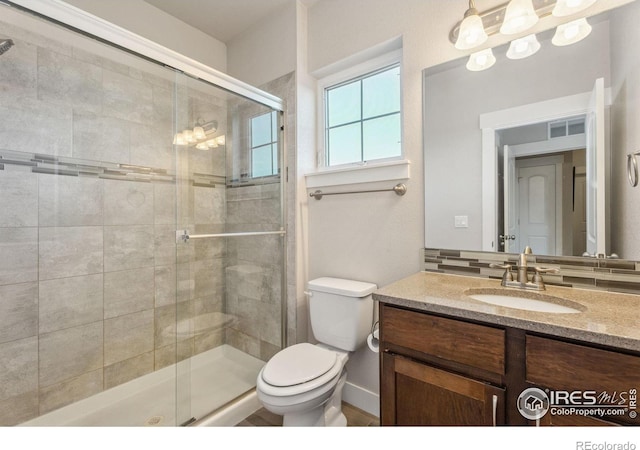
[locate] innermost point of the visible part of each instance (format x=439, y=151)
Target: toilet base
x=328, y=414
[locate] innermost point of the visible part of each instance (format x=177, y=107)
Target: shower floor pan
x=213, y=379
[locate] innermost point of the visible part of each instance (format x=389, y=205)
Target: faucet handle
x=546, y=270
x=508, y=275
x=537, y=277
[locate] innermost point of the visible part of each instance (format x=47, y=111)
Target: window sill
x=367, y=173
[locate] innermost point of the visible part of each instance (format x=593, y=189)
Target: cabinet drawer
x=563, y=366
x=466, y=343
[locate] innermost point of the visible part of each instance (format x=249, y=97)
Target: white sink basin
x=528, y=301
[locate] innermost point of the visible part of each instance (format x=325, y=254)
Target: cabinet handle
x=495, y=409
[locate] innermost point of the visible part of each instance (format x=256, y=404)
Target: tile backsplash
x=615, y=275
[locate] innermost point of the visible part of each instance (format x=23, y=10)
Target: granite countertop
x=605, y=318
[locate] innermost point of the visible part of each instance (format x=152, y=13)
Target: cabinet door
x=418, y=394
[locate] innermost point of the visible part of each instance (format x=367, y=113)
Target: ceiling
x=222, y=19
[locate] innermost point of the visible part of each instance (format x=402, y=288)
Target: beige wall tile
x=19, y=199
x=70, y=201
x=70, y=251
x=19, y=250
x=70, y=391
x=69, y=302
x=20, y=376
x=128, y=336
x=69, y=353
x=18, y=311
x=128, y=291
x=127, y=370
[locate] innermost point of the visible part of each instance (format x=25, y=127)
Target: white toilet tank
x=341, y=311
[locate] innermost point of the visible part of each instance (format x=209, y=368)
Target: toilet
x=304, y=382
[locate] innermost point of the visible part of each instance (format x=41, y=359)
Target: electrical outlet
x=462, y=221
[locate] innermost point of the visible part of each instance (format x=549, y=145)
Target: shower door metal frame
x=97, y=27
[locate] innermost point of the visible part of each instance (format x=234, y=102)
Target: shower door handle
x=184, y=236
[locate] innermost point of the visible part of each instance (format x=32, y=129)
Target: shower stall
x=142, y=230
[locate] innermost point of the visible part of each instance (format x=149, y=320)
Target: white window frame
x=353, y=73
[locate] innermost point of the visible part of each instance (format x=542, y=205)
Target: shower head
x=5, y=44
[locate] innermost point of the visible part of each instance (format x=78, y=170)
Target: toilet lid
x=298, y=364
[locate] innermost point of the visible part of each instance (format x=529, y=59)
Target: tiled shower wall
x=615, y=275
x=89, y=277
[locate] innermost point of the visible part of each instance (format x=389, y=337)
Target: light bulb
x=519, y=16
x=179, y=139
x=481, y=60
x=471, y=33
x=572, y=32
x=523, y=47
x=198, y=133
x=202, y=146
x=188, y=136
x=212, y=143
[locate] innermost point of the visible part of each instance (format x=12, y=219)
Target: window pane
x=274, y=159
x=345, y=144
x=261, y=161
x=381, y=93
x=274, y=127
x=261, y=130
x=382, y=137
x=343, y=104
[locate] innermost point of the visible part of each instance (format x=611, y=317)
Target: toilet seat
x=298, y=369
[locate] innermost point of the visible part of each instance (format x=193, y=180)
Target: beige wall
x=150, y=22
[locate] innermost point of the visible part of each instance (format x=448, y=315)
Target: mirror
x=540, y=137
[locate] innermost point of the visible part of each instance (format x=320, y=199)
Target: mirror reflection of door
x=537, y=221
x=544, y=196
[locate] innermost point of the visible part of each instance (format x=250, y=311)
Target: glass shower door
x=229, y=245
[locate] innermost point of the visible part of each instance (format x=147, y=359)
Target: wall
x=454, y=100
x=625, y=113
x=267, y=51
x=154, y=24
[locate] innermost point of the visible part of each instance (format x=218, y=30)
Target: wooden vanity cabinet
x=437, y=370
x=562, y=366
x=419, y=394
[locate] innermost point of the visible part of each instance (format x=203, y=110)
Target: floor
x=355, y=418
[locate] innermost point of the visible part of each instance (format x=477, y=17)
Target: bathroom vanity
x=447, y=359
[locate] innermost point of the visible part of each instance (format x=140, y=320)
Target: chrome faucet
x=522, y=277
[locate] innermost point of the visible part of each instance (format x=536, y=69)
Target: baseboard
x=361, y=398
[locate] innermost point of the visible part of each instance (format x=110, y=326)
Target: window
x=264, y=145
x=362, y=118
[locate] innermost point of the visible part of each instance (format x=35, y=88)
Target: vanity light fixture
x=481, y=60
x=471, y=33
x=569, y=7
x=514, y=17
x=523, y=47
x=200, y=136
x=518, y=17
x=572, y=32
